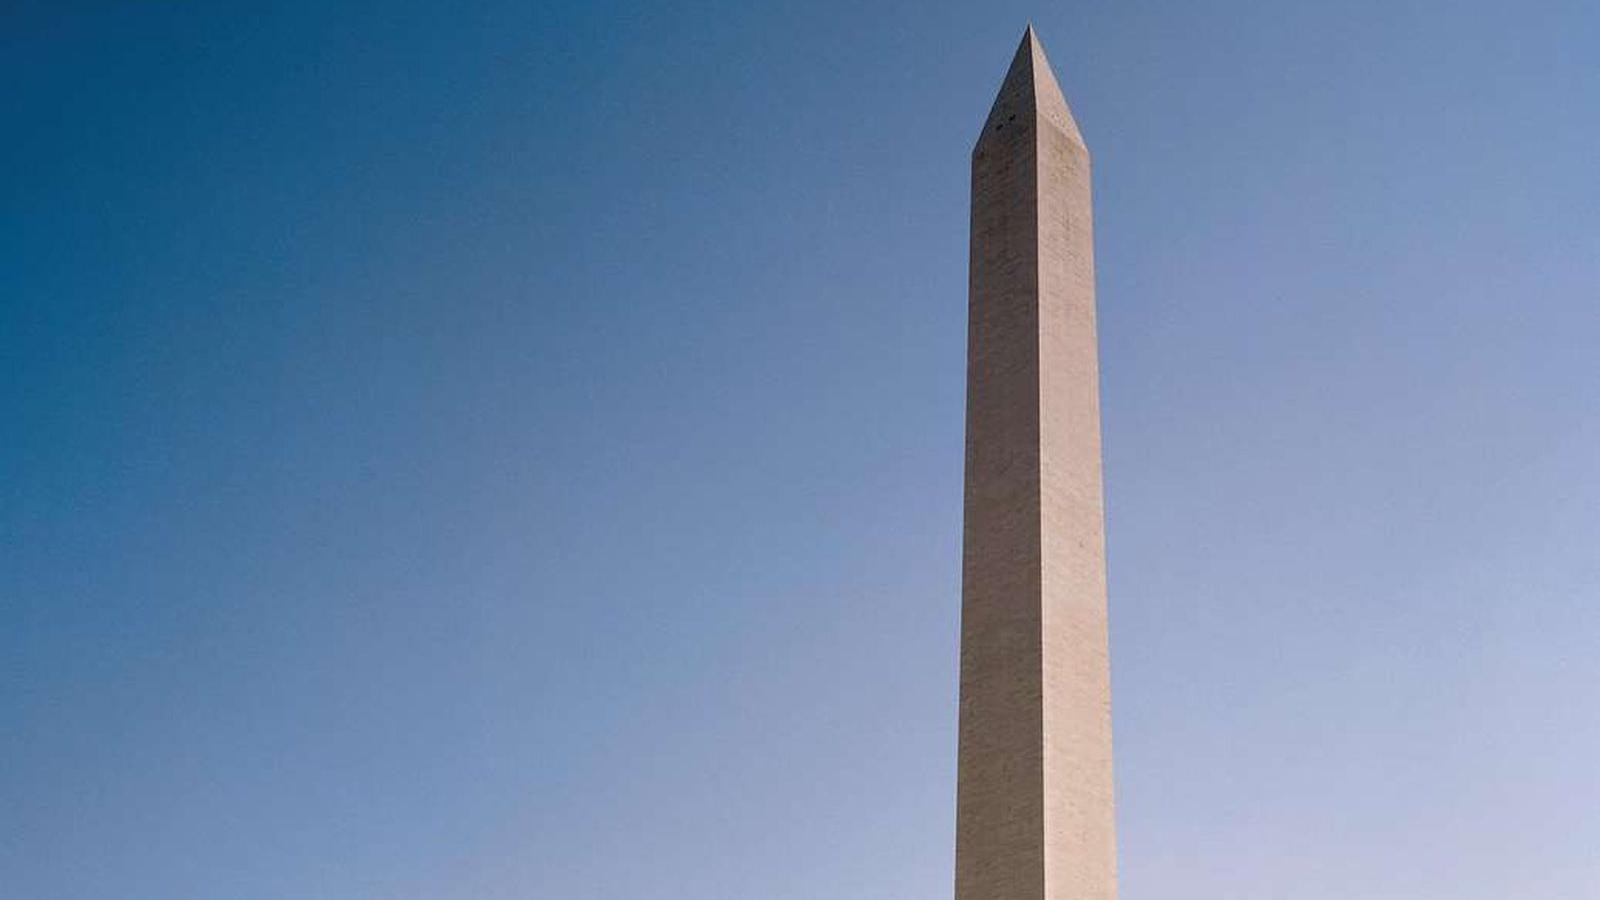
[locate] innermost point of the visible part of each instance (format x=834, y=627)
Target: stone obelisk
x=1034, y=799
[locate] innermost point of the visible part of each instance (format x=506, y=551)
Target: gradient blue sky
x=513, y=451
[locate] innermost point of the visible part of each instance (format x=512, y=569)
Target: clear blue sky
x=514, y=450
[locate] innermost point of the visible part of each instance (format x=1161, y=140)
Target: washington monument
x=1034, y=814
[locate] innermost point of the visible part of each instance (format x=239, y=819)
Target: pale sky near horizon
x=501, y=450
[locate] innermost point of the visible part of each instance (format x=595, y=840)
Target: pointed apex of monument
x=1030, y=90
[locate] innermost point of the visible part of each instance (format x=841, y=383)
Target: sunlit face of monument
x=1034, y=798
